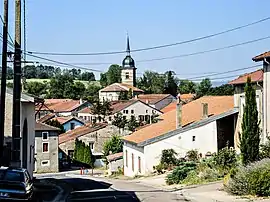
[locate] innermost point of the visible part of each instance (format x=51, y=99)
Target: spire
x=128, y=47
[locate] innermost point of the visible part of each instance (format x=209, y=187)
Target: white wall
x=205, y=141
x=128, y=150
x=110, y=96
x=266, y=101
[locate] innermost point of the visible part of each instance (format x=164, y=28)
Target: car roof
x=13, y=169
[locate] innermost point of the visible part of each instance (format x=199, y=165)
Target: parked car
x=15, y=184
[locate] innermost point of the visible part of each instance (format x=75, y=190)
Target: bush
x=225, y=160
x=192, y=155
x=251, y=180
x=265, y=149
x=168, y=157
x=180, y=173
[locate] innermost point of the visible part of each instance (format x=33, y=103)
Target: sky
x=101, y=26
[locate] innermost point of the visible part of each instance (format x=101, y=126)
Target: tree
x=88, y=157
x=102, y=109
x=187, y=86
x=114, y=145
x=91, y=93
x=36, y=88
x=113, y=74
x=225, y=89
x=78, y=90
x=204, y=87
x=56, y=124
x=250, y=137
x=119, y=121
x=61, y=86
x=123, y=95
x=88, y=76
x=151, y=82
x=103, y=79
x=130, y=94
x=132, y=124
x=170, y=84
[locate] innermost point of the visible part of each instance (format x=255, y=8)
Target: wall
x=266, y=101
x=128, y=150
x=132, y=76
x=52, y=155
x=115, y=165
x=67, y=124
x=110, y=96
x=205, y=141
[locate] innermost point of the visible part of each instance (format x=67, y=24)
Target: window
x=139, y=164
x=127, y=75
x=110, y=118
x=193, y=138
x=126, y=158
x=45, y=135
x=124, y=117
x=146, y=111
x=91, y=144
x=72, y=126
x=45, y=147
x=132, y=111
x=132, y=161
x=45, y=163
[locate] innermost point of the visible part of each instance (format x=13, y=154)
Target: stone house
x=115, y=162
x=27, y=130
x=46, y=148
x=93, y=135
x=136, y=108
x=206, y=124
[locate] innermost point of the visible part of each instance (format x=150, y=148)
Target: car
x=15, y=184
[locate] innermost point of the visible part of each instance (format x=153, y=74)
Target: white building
x=206, y=124
x=27, y=130
x=128, y=108
x=157, y=101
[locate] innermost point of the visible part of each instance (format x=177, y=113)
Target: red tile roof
x=118, y=87
x=44, y=127
x=261, y=56
x=191, y=112
x=118, y=106
x=64, y=119
x=188, y=96
x=256, y=76
x=60, y=105
x=80, y=131
x=113, y=157
x=170, y=107
x=86, y=110
x=152, y=98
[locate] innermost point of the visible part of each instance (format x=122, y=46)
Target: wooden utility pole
x=16, y=119
x=3, y=80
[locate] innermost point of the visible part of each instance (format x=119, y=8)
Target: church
x=128, y=80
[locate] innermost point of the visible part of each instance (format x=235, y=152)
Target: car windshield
x=11, y=175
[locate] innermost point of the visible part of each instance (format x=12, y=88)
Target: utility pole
x=3, y=81
x=16, y=119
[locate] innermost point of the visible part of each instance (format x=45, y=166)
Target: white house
x=27, y=130
x=206, y=124
x=140, y=110
x=158, y=101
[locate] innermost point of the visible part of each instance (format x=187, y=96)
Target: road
x=103, y=189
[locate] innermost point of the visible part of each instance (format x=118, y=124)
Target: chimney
x=204, y=110
x=136, y=97
x=147, y=101
x=178, y=112
x=81, y=101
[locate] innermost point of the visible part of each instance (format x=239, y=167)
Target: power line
x=11, y=45
x=154, y=47
x=2, y=20
x=63, y=63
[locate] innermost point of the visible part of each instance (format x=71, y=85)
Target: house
x=27, y=130
x=46, y=148
x=206, y=124
x=115, y=162
x=93, y=135
x=157, y=101
x=69, y=122
x=265, y=58
x=128, y=80
x=61, y=107
x=140, y=110
x=239, y=97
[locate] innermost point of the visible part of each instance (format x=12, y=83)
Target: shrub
x=225, y=159
x=265, y=149
x=168, y=157
x=251, y=180
x=180, y=173
x=192, y=178
x=192, y=155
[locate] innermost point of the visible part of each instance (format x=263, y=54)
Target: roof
x=64, y=119
x=42, y=126
x=118, y=106
x=191, y=113
x=86, y=110
x=24, y=96
x=187, y=96
x=46, y=117
x=80, y=131
x=118, y=87
x=256, y=76
x=152, y=98
x=113, y=157
x=261, y=56
x=170, y=107
x=61, y=105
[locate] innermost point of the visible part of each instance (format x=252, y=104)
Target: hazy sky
x=75, y=26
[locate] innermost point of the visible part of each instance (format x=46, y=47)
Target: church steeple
x=128, y=46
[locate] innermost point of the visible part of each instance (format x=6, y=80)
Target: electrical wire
x=154, y=47
x=12, y=42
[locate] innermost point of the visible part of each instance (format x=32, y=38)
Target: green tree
x=151, y=82
x=88, y=76
x=114, y=145
x=91, y=93
x=132, y=124
x=103, y=79
x=130, y=94
x=61, y=86
x=102, y=109
x=123, y=95
x=119, y=121
x=187, y=86
x=113, y=74
x=75, y=155
x=204, y=87
x=88, y=157
x=56, y=124
x=78, y=90
x=36, y=88
x=170, y=83
x=225, y=89
x=250, y=137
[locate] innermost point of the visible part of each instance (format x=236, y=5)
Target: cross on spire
x=128, y=46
